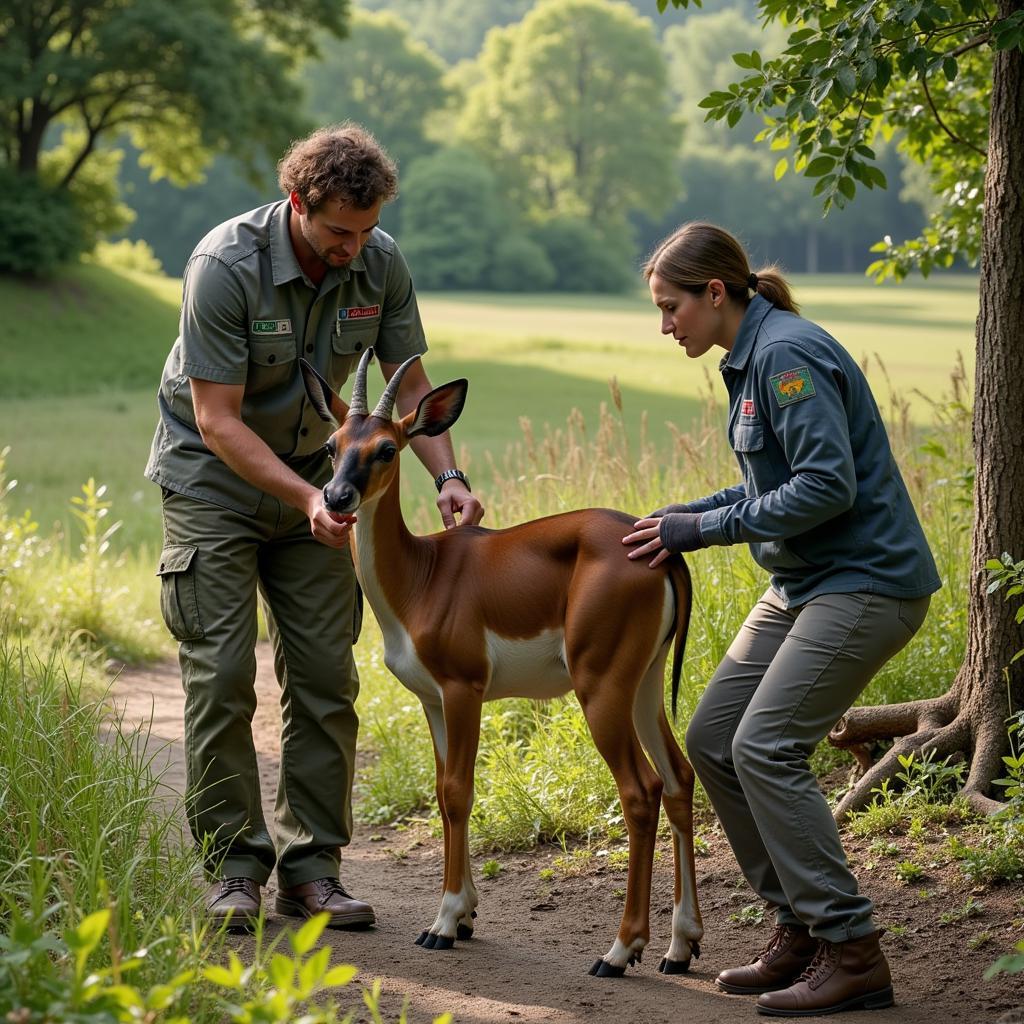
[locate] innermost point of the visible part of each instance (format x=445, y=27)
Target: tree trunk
x=970, y=717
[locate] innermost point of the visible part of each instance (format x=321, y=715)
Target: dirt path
x=536, y=939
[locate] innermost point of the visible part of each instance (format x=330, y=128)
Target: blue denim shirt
x=822, y=503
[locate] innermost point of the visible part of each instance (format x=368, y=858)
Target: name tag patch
x=271, y=327
x=358, y=312
x=747, y=409
x=792, y=386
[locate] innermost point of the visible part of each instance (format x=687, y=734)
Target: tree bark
x=971, y=717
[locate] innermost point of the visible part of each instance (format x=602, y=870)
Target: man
x=239, y=455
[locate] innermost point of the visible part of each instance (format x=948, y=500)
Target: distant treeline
x=548, y=145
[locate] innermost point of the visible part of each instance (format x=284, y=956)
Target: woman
x=825, y=511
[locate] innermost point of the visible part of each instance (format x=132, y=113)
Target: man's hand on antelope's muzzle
x=330, y=528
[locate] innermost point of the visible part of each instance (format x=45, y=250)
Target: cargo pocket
x=179, y=601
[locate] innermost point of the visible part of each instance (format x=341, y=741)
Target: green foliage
x=750, y=915
x=551, y=101
x=520, y=264
x=925, y=779
x=31, y=244
x=581, y=257
x=972, y=908
x=87, y=73
x=451, y=218
x=490, y=869
x=856, y=72
x=382, y=78
x=1012, y=963
x=46, y=591
x=137, y=257
x=907, y=871
x=997, y=856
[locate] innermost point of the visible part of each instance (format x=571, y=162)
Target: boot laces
x=779, y=939
x=328, y=887
x=233, y=885
x=825, y=961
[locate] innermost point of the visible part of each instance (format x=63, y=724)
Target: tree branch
x=942, y=124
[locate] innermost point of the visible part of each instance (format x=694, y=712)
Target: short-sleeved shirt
x=248, y=313
x=822, y=503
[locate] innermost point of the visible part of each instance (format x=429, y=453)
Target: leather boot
x=851, y=975
x=778, y=965
x=235, y=901
x=324, y=895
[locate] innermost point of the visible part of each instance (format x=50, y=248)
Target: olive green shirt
x=248, y=312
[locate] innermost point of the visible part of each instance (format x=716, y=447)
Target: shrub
x=40, y=227
x=519, y=264
x=583, y=260
x=127, y=255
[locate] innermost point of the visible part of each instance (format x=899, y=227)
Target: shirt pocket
x=271, y=362
x=179, y=597
x=348, y=343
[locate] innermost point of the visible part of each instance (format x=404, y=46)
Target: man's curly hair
x=342, y=161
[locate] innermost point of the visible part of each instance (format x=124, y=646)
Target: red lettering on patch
x=358, y=312
x=748, y=407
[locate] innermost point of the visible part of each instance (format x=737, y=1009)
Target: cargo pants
x=213, y=563
x=788, y=677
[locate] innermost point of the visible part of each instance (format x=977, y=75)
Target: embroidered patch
x=747, y=409
x=271, y=327
x=792, y=386
x=358, y=312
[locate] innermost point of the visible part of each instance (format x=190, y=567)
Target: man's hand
x=330, y=528
x=455, y=498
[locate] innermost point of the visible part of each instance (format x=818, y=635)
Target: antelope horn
x=358, y=403
x=386, y=404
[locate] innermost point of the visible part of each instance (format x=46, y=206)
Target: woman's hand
x=662, y=536
x=647, y=533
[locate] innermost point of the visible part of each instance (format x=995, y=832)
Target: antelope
x=536, y=610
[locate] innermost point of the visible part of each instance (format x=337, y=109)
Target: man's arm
x=218, y=410
x=436, y=453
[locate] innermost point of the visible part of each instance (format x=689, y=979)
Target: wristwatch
x=451, y=474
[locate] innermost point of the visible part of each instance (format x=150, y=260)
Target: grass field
x=82, y=356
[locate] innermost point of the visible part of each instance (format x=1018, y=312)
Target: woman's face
x=695, y=321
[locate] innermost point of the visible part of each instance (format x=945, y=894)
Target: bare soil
x=537, y=938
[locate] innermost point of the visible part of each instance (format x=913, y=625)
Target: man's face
x=335, y=232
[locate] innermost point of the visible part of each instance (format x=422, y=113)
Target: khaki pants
x=213, y=563
x=788, y=677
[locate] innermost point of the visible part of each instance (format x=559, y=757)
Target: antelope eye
x=332, y=448
x=387, y=453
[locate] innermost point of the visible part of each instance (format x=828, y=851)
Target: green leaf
x=219, y=976
x=282, y=970
x=847, y=187
x=743, y=60
x=85, y=938
x=306, y=937
x=818, y=166
x=950, y=68
x=339, y=976
x=847, y=79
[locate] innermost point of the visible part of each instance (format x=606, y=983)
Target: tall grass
x=538, y=774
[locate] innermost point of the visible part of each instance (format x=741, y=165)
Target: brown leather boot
x=778, y=965
x=324, y=895
x=235, y=901
x=851, y=975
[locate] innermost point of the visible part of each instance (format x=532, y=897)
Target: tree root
x=936, y=724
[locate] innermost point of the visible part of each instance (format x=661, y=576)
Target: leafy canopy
x=853, y=72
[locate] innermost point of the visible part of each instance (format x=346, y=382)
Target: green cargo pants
x=213, y=563
x=787, y=678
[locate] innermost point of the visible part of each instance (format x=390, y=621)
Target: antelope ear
x=437, y=410
x=326, y=402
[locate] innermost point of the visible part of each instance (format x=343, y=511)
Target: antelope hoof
x=464, y=931
x=603, y=969
x=674, y=966
x=429, y=941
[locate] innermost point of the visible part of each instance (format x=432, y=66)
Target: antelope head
x=365, y=446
